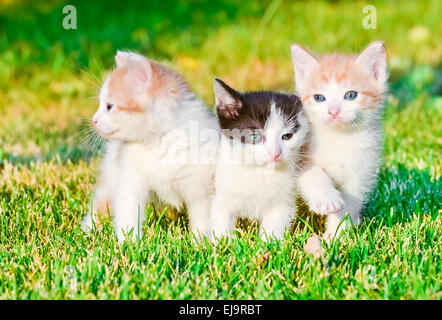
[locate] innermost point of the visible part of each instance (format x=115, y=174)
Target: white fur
x=347, y=152
x=141, y=157
x=259, y=189
x=351, y=160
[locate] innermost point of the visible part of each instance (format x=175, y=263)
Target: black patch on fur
x=252, y=110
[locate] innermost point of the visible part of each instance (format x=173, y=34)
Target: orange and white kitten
x=154, y=126
x=342, y=97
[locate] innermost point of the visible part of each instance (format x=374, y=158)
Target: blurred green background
x=49, y=80
x=49, y=76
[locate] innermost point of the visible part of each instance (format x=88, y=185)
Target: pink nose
x=333, y=112
x=277, y=155
x=94, y=122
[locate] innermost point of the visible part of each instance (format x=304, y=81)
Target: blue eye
x=351, y=95
x=319, y=98
x=255, y=138
x=287, y=136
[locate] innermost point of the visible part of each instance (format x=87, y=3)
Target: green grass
x=48, y=83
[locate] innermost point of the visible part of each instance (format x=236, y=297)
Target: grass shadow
x=400, y=193
x=403, y=192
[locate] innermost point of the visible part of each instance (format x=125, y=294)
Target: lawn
x=49, y=79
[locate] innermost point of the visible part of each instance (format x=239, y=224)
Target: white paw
x=326, y=203
x=86, y=223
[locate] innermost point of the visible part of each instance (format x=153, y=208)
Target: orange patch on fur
x=343, y=70
x=163, y=83
x=369, y=94
x=131, y=109
x=306, y=97
x=370, y=100
x=119, y=89
x=341, y=77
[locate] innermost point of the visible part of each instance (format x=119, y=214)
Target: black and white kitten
x=262, y=151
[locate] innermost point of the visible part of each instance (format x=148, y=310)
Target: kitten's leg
x=199, y=212
x=129, y=203
x=318, y=191
x=353, y=203
x=105, y=188
x=275, y=221
x=222, y=218
x=100, y=205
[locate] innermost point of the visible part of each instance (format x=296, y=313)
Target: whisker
x=88, y=72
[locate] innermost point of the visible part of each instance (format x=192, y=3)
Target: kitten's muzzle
x=334, y=112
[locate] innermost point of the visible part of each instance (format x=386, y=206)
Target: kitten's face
x=339, y=90
x=269, y=127
x=129, y=98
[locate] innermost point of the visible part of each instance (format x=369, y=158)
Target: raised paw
x=327, y=203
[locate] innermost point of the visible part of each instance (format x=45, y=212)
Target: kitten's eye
x=319, y=98
x=255, y=138
x=287, y=136
x=109, y=107
x=351, y=95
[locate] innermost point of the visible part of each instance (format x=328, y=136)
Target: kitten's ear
x=374, y=60
x=139, y=69
x=122, y=58
x=227, y=100
x=139, y=73
x=303, y=62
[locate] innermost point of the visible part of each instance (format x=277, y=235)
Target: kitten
x=262, y=147
x=154, y=126
x=342, y=97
